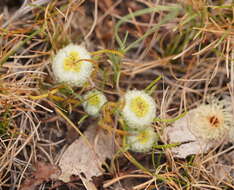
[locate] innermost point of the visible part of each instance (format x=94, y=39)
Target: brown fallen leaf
x=86, y=158
x=43, y=172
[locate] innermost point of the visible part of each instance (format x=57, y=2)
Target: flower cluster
x=139, y=112
x=206, y=123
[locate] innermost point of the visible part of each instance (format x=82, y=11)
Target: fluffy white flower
x=202, y=128
x=139, y=109
x=93, y=101
x=67, y=67
x=212, y=121
x=142, y=140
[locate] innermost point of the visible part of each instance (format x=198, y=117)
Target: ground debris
x=85, y=156
x=223, y=169
x=43, y=172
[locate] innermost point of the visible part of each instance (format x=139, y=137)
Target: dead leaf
x=44, y=172
x=223, y=172
x=84, y=160
x=223, y=169
x=180, y=132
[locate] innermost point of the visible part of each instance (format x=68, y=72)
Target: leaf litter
x=43, y=172
x=84, y=160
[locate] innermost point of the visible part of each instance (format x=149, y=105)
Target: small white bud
x=93, y=102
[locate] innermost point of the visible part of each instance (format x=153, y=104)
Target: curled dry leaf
x=180, y=132
x=44, y=172
x=86, y=158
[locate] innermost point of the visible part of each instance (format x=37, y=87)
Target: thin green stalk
x=174, y=10
x=166, y=146
x=152, y=84
x=170, y=120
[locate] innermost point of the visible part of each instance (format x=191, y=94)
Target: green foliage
x=4, y=123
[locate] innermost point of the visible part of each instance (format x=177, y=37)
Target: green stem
x=174, y=12
x=166, y=146
x=170, y=120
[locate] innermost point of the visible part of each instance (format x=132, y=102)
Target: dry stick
x=20, y=149
x=117, y=179
x=108, y=11
x=24, y=170
x=144, y=185
x=95, y=19
x=219, y=154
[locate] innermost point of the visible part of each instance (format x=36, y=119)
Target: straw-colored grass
x=179, y=51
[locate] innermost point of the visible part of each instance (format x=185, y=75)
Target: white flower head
x=139, y=109
x=212, y=121
x=67, y=67
x=202, y=128
x=142, y=140
x=93, y=102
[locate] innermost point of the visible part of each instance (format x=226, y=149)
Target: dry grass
x=193, y=51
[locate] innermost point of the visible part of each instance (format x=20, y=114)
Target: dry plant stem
x=95, y=20
x=144, y=185
x=119, y=178
x=24, y=170
x=18, y=45
x=21, y=148
x=114, y=130
x=219, y=154
x=192, y=51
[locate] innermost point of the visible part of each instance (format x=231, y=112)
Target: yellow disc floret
x=139, y=106
x=72, y=63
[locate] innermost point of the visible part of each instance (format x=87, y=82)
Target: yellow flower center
x=94, y=100
x=143, y=137
x=71, y=62
x=139, y=106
